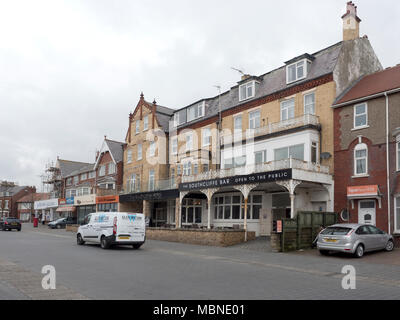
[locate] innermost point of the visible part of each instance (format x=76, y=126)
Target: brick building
x=367, y=159
x=264, y=147
x=10, y=193
x=26, y=211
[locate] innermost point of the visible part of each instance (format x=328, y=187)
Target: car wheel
x=19, y=229
x=58, y=226
x=104, y=244
x=137, y=246
x=324, y=252
x=389, y=246
x=79, y=240
x=359, y=251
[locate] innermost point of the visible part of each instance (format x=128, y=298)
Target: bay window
x=296, y=152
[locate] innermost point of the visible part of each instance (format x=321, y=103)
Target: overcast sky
x=72, y=71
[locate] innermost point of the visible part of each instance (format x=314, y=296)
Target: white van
x=113, y=228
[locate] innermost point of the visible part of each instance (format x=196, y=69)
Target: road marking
x=380, y=281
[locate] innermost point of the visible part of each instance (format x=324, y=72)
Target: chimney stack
x=351, y=23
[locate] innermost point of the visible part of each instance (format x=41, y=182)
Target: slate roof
x=67, y=167
x=375, y=83
x=274, y=81
x=12, y=190
x=83, y=169
x=35, y=196
x=116, y=149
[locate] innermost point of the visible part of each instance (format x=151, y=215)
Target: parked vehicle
x=61, y=223
x=354, y=238
x=113, y=228
x=10, y=224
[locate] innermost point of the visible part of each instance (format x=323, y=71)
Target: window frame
x=358, y=115
x=314, y=103
x=174, y=145
x=358, y=147
x=247, y=85
x=152, y=174
x=129, y=156
x=137, y=127
x=112, y=168
x=396, y=215
x=398, y=153
x=304, y=62
x=189, y=135
x=146, y=122
x=241, y=123
x=204, y=138
x=196, y=109
x=152, y=149
x=139, y=152
x=255, y=119
x=287, y=108
x=101, y=172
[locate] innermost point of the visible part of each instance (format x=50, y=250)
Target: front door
x=367, y=212
x=265, y=222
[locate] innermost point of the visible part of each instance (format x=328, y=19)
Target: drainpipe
x=388, y=163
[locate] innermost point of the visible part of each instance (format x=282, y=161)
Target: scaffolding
x=51, y=180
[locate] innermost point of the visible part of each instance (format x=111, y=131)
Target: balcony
x=259, y=168
x=307, y=119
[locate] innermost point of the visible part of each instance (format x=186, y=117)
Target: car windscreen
x=336, y=231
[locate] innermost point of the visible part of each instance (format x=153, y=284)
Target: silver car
x=353, y=238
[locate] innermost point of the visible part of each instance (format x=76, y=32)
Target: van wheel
x=79, y=240
x=137, y=246
x=104, y=244
x=359, y=251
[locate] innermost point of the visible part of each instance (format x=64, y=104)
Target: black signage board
x=263, y=177
x=154, y=195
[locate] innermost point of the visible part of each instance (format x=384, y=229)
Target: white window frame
x=69, y=181
x=189, y=143
x=398, y=153
x=137, y=128
x=316, y=144
x=92, y=175
x=361, y=146
x=152, y=149
x=139, y=151
x=102, y=171
x=112, y=168
x=145, y=122
x=251, y=120
x=174, y=145
x=285, y=108
x=187, y=168
x=396, y=207
x=129, y=156
x=152, y=180
x=76, y=179
x=247, y=85
x=297, y=65
x=198, y=108
x=313, y=105
x=264, y=156
x=241, y=123
x=206, y=137
x=84, y=176
x=358, y=115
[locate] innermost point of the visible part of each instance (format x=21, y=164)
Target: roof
x=116, y=149
x=271, y=82
x=83, y=169
x=34, y=197
x=12, y=189
x=367, y=86
x=67, y=167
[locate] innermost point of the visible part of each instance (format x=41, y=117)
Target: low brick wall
x=396, y=240
x=72, y=227
x=216, y=238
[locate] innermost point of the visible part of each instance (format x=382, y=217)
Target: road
x=163, y=270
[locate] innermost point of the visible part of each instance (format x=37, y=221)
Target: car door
x=380, y=238
x=366, y=237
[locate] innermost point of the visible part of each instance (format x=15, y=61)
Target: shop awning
x=364, y=192
x=66, y=209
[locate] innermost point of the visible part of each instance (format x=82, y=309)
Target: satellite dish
x=344, y=215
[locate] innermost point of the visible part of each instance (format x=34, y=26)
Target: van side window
x=87, y=219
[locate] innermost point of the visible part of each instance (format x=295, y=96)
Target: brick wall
x=218, y=238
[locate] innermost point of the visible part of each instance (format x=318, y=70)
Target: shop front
x=107, y=203
x=65, y=208
x=45, y=210
x=85, y=205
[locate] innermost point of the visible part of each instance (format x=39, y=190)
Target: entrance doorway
x=367, y=212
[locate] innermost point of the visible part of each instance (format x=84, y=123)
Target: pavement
x=176, y=271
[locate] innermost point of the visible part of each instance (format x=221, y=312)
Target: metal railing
x=307, y=119
x=264, y=167
x=165, y=184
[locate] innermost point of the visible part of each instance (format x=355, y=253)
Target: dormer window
x=247, y=90
x=297, y=71
x=196, y=111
